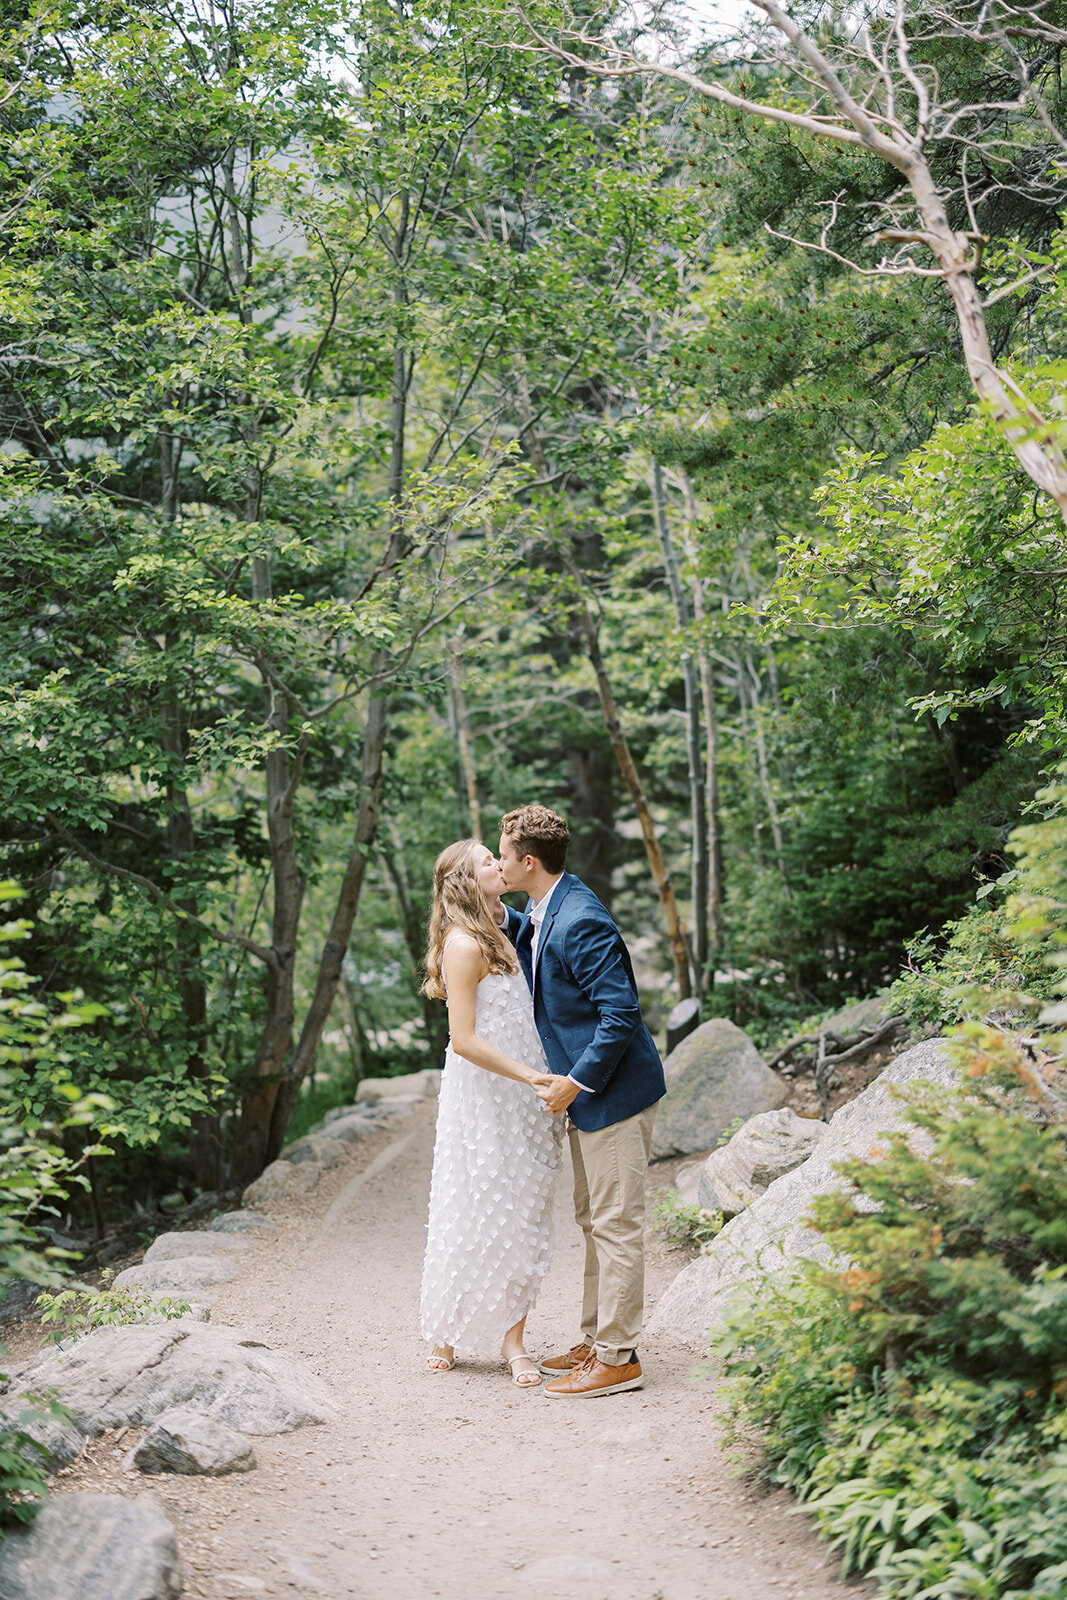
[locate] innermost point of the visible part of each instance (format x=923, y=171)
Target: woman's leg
x=523, y=1367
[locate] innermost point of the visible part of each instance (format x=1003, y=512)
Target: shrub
x=689, y=1226
x=35, y=1173
x=913, y=1394
x=82, y=1308
x=914, y=1397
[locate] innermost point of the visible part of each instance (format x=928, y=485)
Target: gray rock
x=333, y=1115
x=92, y=1547
x=324, y=1150
x=174, y=1277
x=864, y=1014
x=352, y=1127
x=280, y=1181
x=418, y=1085
x=187, y=1442
x=768, y=1146
x=771, y=1234
x=240, y=1222
x=61, y=1442
x=124, y=1377
x=687, y=1183
x=175, y=1246
x=19, y=1294
x=197, y=1310
x=715, y=1076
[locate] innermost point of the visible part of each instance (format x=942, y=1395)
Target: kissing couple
x=545, y=1029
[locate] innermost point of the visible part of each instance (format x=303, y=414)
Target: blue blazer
x=586, y=1007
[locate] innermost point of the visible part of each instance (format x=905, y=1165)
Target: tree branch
x=263, y=952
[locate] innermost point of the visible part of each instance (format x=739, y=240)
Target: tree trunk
x=254, y=1141
x=205, y=1147
x=298, y=1064
x=337, y=940
x=697, y=805
x=713, y=854
x=656, y=863
x=463, y=736
x=764, y=773
x=1027, y=434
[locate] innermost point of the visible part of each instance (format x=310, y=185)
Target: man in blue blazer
x=608, y=1078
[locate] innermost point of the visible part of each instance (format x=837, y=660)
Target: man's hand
x=555, y=1092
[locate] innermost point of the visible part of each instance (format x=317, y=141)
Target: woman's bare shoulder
x=462, y=956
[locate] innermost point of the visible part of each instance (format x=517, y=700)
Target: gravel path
x=459, y=1485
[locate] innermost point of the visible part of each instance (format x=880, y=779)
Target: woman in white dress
x=497, y=1150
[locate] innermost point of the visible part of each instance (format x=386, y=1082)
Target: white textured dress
x=495, y=1160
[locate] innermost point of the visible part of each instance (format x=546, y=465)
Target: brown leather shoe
x=596, y=1377
x=567, y=1363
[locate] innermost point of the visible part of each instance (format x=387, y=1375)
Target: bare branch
x=263, y=952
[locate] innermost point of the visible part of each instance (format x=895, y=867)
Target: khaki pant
x=609, y=1207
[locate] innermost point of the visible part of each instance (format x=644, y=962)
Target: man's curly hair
x=537, y=831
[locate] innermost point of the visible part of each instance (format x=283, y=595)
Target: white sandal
x=517, y=1377
x=439, y=1362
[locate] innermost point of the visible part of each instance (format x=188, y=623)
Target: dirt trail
x=459, y=1485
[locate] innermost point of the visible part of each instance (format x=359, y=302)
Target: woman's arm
x=464, y=967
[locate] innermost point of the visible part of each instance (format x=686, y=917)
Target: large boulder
x=351, y=1127
x=715, y=1076
x=282, y=1180
x=123, y=1377
x=413, y=1085
x=240, y=1222
x=771, y=1233
x=322, y=1149
x=766, y=1147
x=92, y=1547
x=173, y=1277
x=187, y=1442
x=175, y=1246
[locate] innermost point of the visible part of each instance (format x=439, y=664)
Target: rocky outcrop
x=687, y=1183
x=187, y=1442
x=380, y=1101
x=240, y=1222
x=92, y=1547
x=771, y=1233
x=416, y=1085
x=321, y=1148
x=351, y=1125
x=171, y=1277
x=714, y=1077
x=764, y=1149
x=176, y=1246
x=123, y=1377
x=282, y=1180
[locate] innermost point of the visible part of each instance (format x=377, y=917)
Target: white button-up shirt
x=537, y=916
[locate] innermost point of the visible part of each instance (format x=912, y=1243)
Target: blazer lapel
x=559, y=894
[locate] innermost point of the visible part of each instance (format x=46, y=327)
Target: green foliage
x=35, y=1170
x=82, y=1309
x=24, y=1462
x=690, y=1226
x=914, y=1398
x=913, y=1393
x=1004, y=957
x=971, y=967
x=951, y=547
x=35, y=1173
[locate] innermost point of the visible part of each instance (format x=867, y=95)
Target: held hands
x=554, y=1092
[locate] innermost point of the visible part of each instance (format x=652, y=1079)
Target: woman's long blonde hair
x=459, y=902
